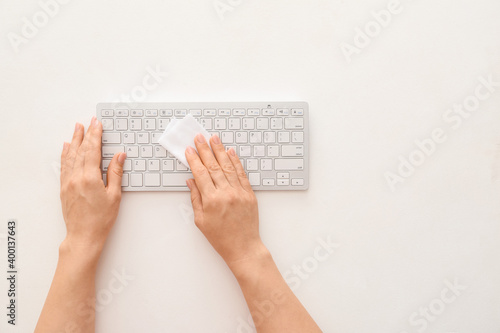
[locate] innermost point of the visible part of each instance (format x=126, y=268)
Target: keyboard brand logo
x=30, y=28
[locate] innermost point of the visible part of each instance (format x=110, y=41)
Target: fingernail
x=188, y=183
x=200, y=138
x=190, y=150
x=232, y=152
x=121, y=158
x=216, y=139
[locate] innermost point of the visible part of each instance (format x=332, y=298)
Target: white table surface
x=397, y=249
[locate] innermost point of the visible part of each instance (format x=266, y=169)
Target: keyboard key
x=206, y=123
x=195, y=113
x=297, y=112
x=297, y=182
x=107, y=113
x=224, y=112
x=289, y=164
x=176, y=179
x=268, y=182
x=150, y=124
x=239, y=112
x=180, y=113
x=133, y=151
x=163, y=123
x=143, y=137
x=291, y=151
x=255, y=137
x=294, y=123
x=283, y=175
x=127, y=166
x=227, y=137
x=125, y=180
x=283, y=182
x=269, y=137
x=135, y=124
x=248, y=123
x=253, y=112
x=254, y=179
x=282, y=112
x=122, y=113
x=111, y=137
x=166, y=113
x=168, y=165
x=105, y=164
x=155, y=137
x=234, y=123
x=252, y=164
x=121, y=124
x=209, y=112
x=152, y=179
x=136, y=179
x=266, y=164
x=180, y=166
x=140, y=165
x=146, y=151
x=273, y=151
x=241, y=137
x=137, y=113
x=160, y=151
x=220, y=123
x=107, y=124
x=110, y=151
x=154, y=165
x=262, y=123
x=128, y=137
x=151, y=113
x=268, y=112
x=297, y=137
x=259, y=151
x=283, y=137
x=276, y=123
x=245, y=151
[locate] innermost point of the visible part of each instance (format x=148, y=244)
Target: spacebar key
x=289, y=164
x=176, y=179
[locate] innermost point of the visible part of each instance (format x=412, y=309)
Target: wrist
x=260, y=260
x=86, y=253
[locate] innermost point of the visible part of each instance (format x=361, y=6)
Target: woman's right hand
x=224, y=204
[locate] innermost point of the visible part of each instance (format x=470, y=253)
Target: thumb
x=115, y=172
x=196, y=201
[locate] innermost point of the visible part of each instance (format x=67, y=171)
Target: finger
x=224, y=161
x=195, y=200
x=73, y=147
x=208, y=159
x=240, y=171
x=115, y=173
x=93, y=146
x=203, y=180
x=64, y=154
x=83, y=149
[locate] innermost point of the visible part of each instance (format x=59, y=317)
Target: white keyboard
x=271, y=139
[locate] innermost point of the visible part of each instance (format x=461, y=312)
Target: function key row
x=199, y=112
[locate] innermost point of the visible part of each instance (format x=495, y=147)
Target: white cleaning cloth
x=179, y=134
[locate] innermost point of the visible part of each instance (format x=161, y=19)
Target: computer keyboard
x=271, y=139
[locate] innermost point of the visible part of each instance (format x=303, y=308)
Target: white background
x=397, y=249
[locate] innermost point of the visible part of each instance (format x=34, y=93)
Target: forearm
x=70, y=303
x=273, y=305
